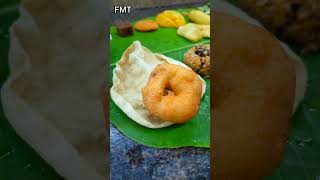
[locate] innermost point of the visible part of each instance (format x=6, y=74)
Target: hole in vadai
x=172, y=93
x=168, y=90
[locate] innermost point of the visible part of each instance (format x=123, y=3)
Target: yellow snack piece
x=191, y=32
x=170, y=18
x=194, y=32
x=205, y=30
x=199, y=17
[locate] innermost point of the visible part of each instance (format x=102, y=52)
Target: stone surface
x=129, y=160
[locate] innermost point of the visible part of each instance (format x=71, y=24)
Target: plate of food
x=190, y=116
x=160, y=79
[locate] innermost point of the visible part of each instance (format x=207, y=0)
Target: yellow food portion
x=170, y=18
x=199, y=17
x=191, y=32
x=194, y=32
x=205, y=30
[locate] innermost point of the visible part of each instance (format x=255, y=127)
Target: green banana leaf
x=195, y=132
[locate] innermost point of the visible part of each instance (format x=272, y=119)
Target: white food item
x=130, y=76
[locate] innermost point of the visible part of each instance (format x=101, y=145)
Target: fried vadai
x=172, y=93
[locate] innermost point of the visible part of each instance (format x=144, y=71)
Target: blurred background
x=17, y=159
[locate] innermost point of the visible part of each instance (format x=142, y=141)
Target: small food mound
x=194, y=32
x=146, y=25
x=170, y=18
x=198, y=59
x=172, y=93
x=124, y=28
x=199, y=17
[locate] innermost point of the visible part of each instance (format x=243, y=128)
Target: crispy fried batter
x=172, y=93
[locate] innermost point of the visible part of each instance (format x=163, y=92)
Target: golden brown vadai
x=172, y=93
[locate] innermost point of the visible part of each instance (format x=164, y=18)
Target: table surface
x=129, y=160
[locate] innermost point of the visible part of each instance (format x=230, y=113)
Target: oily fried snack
x=146, y=25
x=194, y=32
x=253, y=97
x=172, y=93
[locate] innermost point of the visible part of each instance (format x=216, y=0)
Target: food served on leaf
x=205, y=30
x=146, y=25
x=124, y=28
x=132, y=74
x=258, y=84
x=194, y=32
x=198, y=59
x=172, y=93
x=199, y=17
x=170, y=18
x=191, y=32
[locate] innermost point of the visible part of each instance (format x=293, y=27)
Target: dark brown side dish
x=124, y=28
